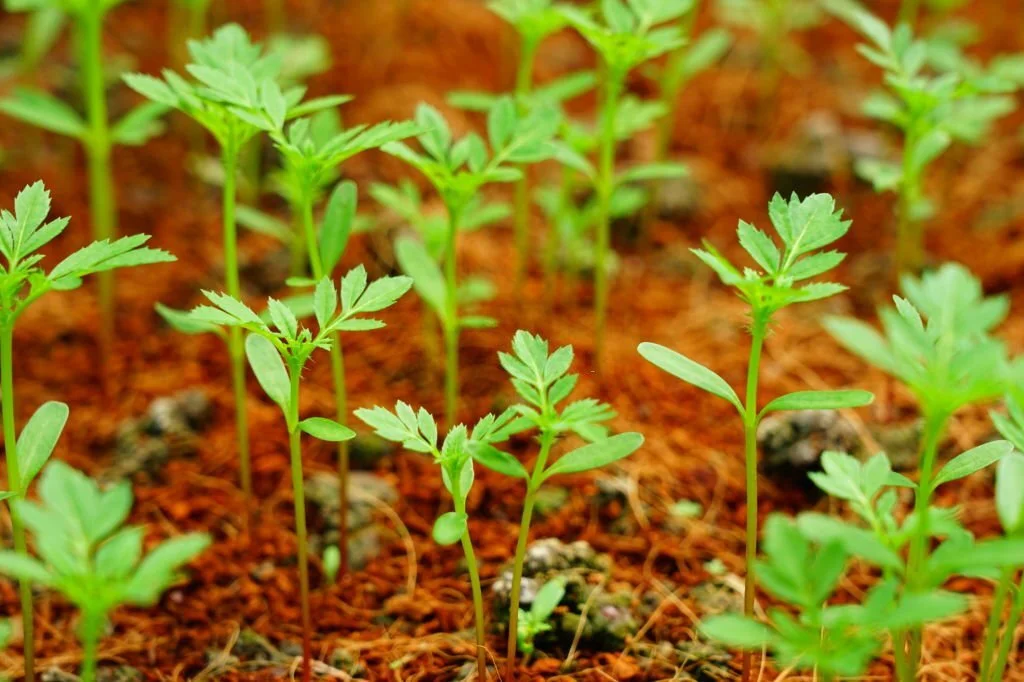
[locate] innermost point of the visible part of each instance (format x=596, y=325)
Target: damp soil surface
x=409, y=621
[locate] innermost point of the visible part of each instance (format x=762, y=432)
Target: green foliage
x=772, y=21
x=536, y=621
x=931, y=107
x=533, y=19
x=23, y=233
x=937, y=340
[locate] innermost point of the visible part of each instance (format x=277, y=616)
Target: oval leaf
x=1010, y=493
x=691, y=372
x=38, y=439
x=973, y=460
x=819, y=400
x=269, y=369
x=326, y=429
x=496, y=460
x=449, y=528
x=596, y=455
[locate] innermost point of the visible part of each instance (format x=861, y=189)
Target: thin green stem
x=995, y=616
x=750, y=418
x=451, y=321
x=553, y=244
x=1016, y=612
x=605, y=188
x=909, y=232
x=97, y=148
x=92, y=625
x=524, y=84
x=547, y=439
x=474, y=581
x=14, y=484
x=236, y=348
x=316, y=265
x=298, y=491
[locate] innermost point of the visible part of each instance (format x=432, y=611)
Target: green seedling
x=626, y=35
x=938, y=342
x=278, y=351
x=542, y=381
x=235, y=97
x=805, y=227
x=536, y=621
x=534, y=20
x=95, y=133
x=931, y=109
x=23, y=281
x=1010, y=507
x=87, y=553
x=773, y=22
x=570, y=238
x=331, y=561
x=309, y=165
x=417, y=431
x=458, y=170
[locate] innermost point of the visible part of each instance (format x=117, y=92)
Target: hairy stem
x=994, y=618
x=14, y=484
x=547, y=439
x=605, y=187
x=97, y=149
x=758, y=330
x=524, y=83
x=236, y=348
x=451, y=321
x=298, y=491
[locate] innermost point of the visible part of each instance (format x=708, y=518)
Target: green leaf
x=38, y=439
x=326, y=429
x=973, y=460
x=159, y=568
x=269, y=369
x=263, y=223
x=339, y=216
x=547, y=599
x=425, y=272
x=497, y=460
x=449, y=528
x=689, y=371
x=325, y=301
x=45, y=111
x=1010, y=493
x=139, y=125
x=820, y=400
x=21, y=567
x=734, y=630
x=596, y=455
x=653, y=171
x=760, y=247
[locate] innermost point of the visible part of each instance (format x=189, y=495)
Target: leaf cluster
x=26, y=231
x=86, y=552
x=533, y=19
x=536, y=620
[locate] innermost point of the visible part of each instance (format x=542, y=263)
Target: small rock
x=716, y=597
x=677, y=199
x=364, y=533
x=792, y=442
x=704, y=661
x=169, y=428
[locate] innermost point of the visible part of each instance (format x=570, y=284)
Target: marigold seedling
x=458, y=170
x=930, y=109
x=626, y=35
x=805, y=227
x=23, y=281
x=417, y=431
x=278, y=350
x=542, y=380
x=536, y=621
x=235, y=97
x=95, y=133
x=87, y=553
x=938, y=342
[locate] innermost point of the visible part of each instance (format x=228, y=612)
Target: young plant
x=87, y=553
x=235, y=97
x=773, y=22
x=94, y=132
x=1010, y=507
x=931, y=109
x=23, y=280
x=804, y=228
x=534, y=20
x=417, y=431
x=458, y=170
x=542, y=380
x=536, y=621
x=938, y=342
x=278, y=351
x=627, y=35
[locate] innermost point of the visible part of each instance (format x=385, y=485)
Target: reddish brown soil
x=391, y=55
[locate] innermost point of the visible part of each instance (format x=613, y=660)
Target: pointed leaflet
x=760, y=247
x=1010, y=493
x=269, y=369
x=496, y=460
x=819, y=400
x=689, y=371
x=596, y=455
x=326, y=429
x=337, y=224
x=45, y=111
x=973, y=460
x=426, y=275
x=38, y=439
